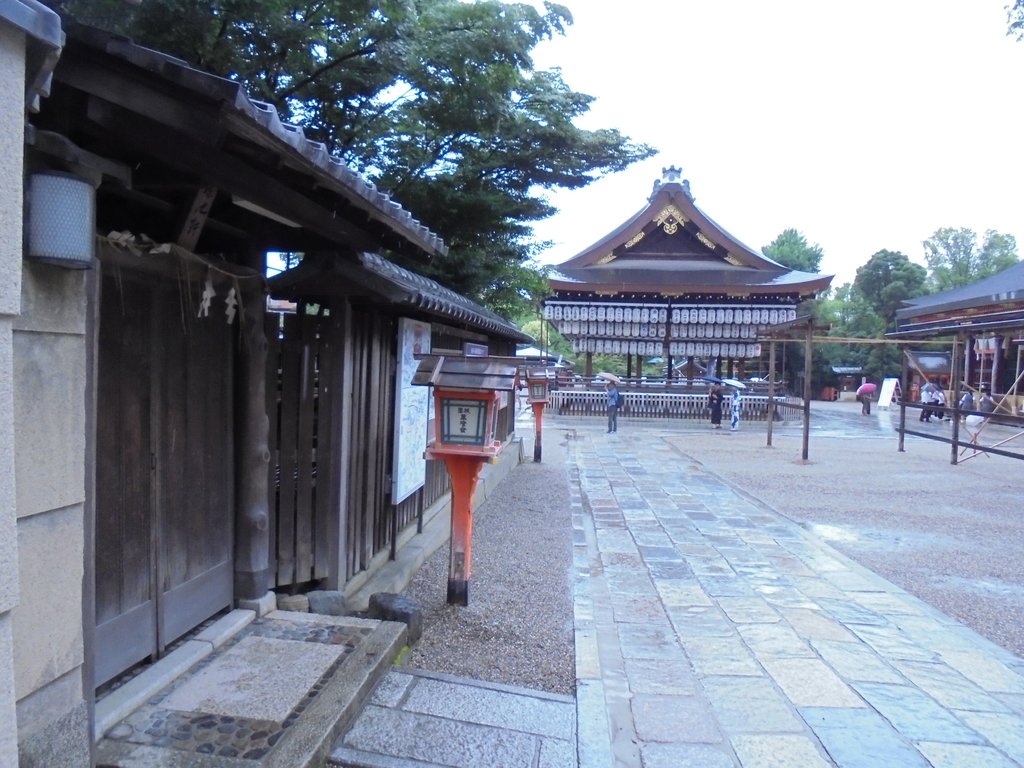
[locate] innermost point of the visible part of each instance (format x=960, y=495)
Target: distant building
x=671, y=282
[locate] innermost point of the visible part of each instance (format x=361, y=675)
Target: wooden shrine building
x=671, y=282
x=985, y=320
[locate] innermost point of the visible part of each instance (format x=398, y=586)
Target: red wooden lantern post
x=537, y=395
x=466, y=403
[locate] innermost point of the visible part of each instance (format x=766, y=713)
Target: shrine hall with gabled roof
x=671, y=282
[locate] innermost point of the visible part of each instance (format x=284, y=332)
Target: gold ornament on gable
x=669, y=219
x=635, y=239
x=706, y=240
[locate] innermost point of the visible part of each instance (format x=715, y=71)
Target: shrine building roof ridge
x=670, y=246
x=1004, y=286
x=672, y=195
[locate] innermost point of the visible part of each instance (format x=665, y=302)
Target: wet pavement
x=711, y=630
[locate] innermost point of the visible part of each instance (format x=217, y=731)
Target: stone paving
x=425, y=719
x=711, y=631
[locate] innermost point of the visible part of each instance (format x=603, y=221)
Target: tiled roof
x=261, y=123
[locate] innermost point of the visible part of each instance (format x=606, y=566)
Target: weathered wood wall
x=165, y=466
x=331, y=379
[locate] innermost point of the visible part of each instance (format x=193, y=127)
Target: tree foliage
x=887, y=280
x=955, y=258
x=436, y=101
x=792, y=250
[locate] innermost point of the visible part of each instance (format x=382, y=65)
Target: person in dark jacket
x=715, y=404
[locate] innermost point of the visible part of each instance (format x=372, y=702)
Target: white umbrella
x=609, y=377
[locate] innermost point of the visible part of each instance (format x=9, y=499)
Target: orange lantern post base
x=538, y=417
x=464, y=471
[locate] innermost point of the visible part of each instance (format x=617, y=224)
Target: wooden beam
x=195, y=219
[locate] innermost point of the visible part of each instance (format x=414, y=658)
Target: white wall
x=12, y=72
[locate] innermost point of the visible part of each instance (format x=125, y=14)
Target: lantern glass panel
x=463, y=421
x=538, y=391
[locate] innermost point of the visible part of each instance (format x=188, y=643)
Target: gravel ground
x=517, y=628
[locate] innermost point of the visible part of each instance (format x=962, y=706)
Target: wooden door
x=164, y=496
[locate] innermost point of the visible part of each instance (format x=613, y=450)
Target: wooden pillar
x=808, y=349
x=252, y=454
x=464, y=472
x=904, y=381
x=588, y=368
x=771, y=389
x=955, y=379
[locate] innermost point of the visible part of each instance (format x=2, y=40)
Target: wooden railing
x=660, y=405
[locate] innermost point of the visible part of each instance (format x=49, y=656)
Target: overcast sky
x=863, y=125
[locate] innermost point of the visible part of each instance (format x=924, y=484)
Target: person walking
x=865, y=404
x=715, y=404
x=613, y=407
x=734, y=410
x=939, y=401
x=985, y=403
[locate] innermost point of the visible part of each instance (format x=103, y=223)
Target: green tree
x=792, y=250
x=955, y=258
x=887, y=280
x=436, y=101
x=848, y=316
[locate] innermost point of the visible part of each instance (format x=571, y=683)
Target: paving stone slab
x=942, y=755
x=915, y=714
x=750, y=705
x=779, y=751
x=520, y=710
x=811, y=683
x=861, y=738
x=686, y=756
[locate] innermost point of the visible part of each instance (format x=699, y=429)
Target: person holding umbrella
x=864, y=395
x=614, y=400
x=715, y=404
x=734, y=410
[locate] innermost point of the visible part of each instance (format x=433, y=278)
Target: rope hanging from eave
x=192, y=305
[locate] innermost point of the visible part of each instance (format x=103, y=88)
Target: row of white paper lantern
x=656, y=331
x=628, y=314
x=693, y=315
x=713, y=349
x=727, y=315
x=676, y=348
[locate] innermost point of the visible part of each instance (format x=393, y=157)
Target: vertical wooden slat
x=291, y=355
x=305, y=451
x=379, y=403
x=123, y=579
x=357, y=491
x=328, y=404
x=344, y=443
x=272, y=327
